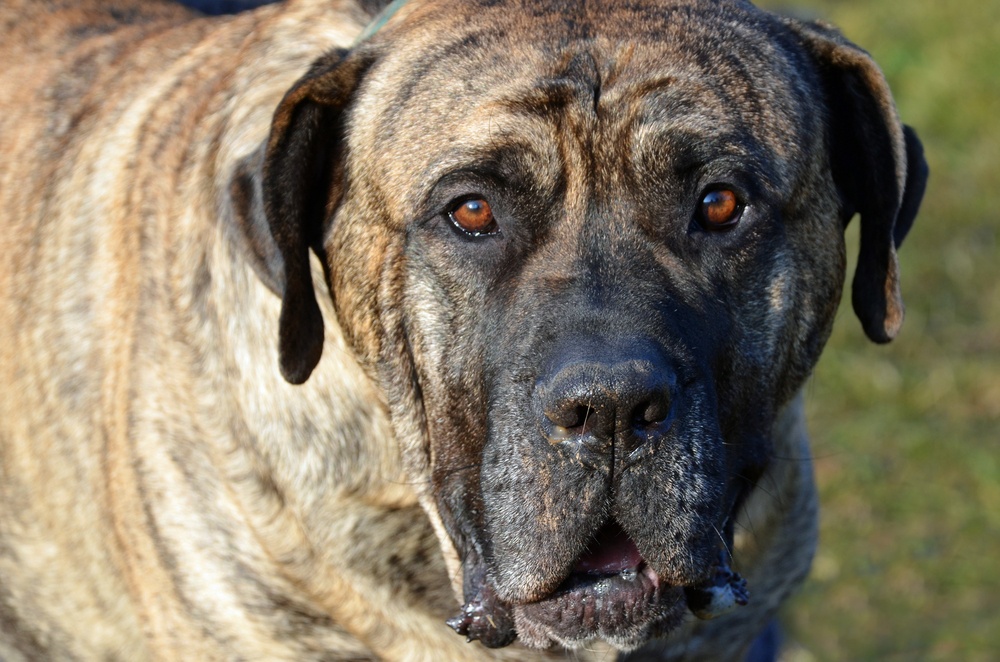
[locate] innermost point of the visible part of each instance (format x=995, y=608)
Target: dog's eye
x=474, y=216
x=719, y=209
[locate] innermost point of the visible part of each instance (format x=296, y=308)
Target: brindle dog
x=509, y=301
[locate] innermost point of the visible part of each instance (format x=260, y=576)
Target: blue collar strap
x=380, y=20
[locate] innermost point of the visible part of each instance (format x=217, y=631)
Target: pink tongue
x=610, y=552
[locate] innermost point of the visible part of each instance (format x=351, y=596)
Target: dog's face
x=589, y=252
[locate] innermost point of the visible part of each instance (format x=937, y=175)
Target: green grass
x=907, y=436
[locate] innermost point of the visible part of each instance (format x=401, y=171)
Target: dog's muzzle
x=608, y=406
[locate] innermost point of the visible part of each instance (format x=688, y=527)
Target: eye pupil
x=474, y=216
x=720, y=208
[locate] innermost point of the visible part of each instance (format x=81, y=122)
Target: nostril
x=584, y=419
x=572, y=420
x=652, y=412
x=601, y=399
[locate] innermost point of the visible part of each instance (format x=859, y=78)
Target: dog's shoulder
x=55, y=27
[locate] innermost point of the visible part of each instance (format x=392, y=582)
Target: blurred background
x=906, y=437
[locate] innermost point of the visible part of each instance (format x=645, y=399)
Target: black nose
x=607, y=398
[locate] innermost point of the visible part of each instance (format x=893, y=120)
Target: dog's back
x=73, y=71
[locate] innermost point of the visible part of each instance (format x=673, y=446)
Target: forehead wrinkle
x=688, y=141
x=552, y=117
x=686, y=123
x=521, y=152
x=544, y=96
x=669, y=151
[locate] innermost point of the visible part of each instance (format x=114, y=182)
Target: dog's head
x=589, y=250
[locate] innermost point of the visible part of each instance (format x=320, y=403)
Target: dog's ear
x=302, y=185
x=878, y=165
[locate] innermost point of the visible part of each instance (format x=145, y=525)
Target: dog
x=317, y=341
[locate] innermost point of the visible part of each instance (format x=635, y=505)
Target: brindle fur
x=167, y=493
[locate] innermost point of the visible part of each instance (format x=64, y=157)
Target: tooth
x=629, y=574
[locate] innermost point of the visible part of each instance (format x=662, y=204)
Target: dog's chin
x=611, y=594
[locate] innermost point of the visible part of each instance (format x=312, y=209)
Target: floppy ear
x=878, y=166
x=301, y=187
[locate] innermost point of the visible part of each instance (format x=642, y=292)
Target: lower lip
x=588, y=605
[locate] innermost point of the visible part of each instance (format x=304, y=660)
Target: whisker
x=780, y=500
x=784, y=458
x=724, y=543
x=776, y=498
x=750, y=527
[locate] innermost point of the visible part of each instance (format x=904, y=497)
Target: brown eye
x=719, y=208
x=474, y=216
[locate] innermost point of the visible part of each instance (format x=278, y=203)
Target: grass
x=907, y=436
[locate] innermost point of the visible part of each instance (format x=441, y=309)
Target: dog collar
x=380, y=20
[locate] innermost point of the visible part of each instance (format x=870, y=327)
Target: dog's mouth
x=611, y=593
x=611, y=552
x=611, y=570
